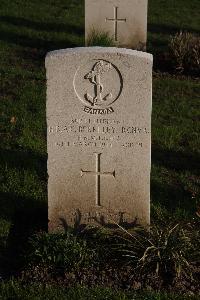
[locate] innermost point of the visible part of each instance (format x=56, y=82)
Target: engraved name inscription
x=98, y=133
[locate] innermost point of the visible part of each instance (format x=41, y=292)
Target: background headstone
x=124, y=20
x=99, y=123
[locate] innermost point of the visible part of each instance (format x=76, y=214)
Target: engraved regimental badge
x=98, y=84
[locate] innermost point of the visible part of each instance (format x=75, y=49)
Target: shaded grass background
x=28, y=30
x=165, y=18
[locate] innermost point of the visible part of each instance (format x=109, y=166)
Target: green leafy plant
x=159, y=257
x=100, y=38
x=185, y=52
x=65, y=251
x=167, y=251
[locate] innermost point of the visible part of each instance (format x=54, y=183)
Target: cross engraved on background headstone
x=116, y=20
x=98, y=175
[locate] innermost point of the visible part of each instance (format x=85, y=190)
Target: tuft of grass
x=131, y=260
x=185, y=52
x=167, y=253
x=98, y=38
x=65, y=251
x=165, y=18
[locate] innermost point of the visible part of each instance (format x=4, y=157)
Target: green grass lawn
x=28, y=30
x=15, y=291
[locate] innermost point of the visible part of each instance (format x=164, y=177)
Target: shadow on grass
x=158, y=46
x=33, y=42
x=43, y=45
x=39, y=26
x=176, y=160
x=173, y=198
x=172, y=195
x=168, y=29
x=24, y=160
x=26, y=215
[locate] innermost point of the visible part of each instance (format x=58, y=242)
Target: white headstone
x=124, y=20
x=99, y=141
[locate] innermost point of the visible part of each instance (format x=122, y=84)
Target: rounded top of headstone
x=86, y=50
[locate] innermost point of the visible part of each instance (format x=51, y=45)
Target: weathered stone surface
x=125, y=20
x=99, y=123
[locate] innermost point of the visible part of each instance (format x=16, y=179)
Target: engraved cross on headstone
x=98, y=175
x=116, y=20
